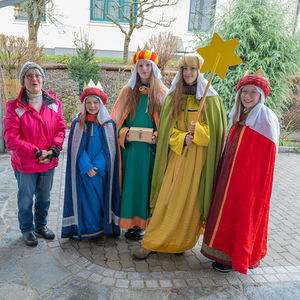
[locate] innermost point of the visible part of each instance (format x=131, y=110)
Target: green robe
x=215, y=118
x=138, y=161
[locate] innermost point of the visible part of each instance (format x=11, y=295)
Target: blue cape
x=77, y=142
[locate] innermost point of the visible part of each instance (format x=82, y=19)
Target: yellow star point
x=227, y=55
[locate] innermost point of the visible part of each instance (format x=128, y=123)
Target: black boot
x=30, y=239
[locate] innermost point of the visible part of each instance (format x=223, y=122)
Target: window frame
x=106, y=8
x=211, y=15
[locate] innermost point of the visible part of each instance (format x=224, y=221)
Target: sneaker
x=30, y=239
x=221, y=268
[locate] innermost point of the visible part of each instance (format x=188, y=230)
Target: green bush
x=265, y=29
x=70, y=107
x=82, y=67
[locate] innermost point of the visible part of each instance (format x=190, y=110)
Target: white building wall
x=106, y=36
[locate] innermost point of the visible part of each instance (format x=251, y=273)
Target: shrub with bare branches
x=15, y=51
x=165, y=44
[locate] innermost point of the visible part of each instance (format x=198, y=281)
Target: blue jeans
x=40, y=185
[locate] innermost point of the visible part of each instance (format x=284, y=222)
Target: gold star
x=227, y=55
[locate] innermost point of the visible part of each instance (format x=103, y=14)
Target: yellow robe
x=177, y=228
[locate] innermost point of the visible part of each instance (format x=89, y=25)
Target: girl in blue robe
x=92, y=195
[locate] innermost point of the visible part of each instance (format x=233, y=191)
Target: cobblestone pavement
x=64, y=269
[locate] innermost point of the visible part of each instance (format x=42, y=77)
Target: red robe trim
x=237, y=224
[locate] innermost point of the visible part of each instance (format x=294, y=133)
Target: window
x=201, y=14
x=25, y=17
x=111, y=9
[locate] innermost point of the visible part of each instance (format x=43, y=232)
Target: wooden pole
x=195, y=121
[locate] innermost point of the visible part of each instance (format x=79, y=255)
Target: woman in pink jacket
x=34, y=130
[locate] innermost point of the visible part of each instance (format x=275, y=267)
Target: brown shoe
x=142, y=253
x=100, y=240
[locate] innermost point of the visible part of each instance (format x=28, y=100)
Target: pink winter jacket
x=26, y=131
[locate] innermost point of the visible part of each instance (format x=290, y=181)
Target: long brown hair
x=134, y=97
x=239, y=108
x=177, y=97
x=82, y=120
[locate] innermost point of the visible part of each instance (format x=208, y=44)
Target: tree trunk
x=125, y=49
x=32, y=32
x=296, y=17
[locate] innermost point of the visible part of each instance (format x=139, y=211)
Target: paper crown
x=254, y=79
x=93, y=90
x=145, y=54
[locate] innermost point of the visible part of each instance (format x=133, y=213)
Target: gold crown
x=257, y=73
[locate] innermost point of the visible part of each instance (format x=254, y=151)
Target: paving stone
x=157, y=275
x=194, y=293
x=90, y=267
x=257, y=271
x=77, y=289
x=133, y=275
x=67, y=262
x=139, y=294
x=108, y=281
x=220, y=280
x=283, y=277
x=61, y=255
x=98, y=269
x=108, y=272
x=181, y=274
x=16, y=292
x=120, y=274
x=137, y=284
x=166, y=283
x=282, y=291
x=179, y=283
x=280, y=269
x=194, y=273
x=9, y=268
x=35, y=268
x=169, y=275
x=121, y=283
x=258, y=278
x=234, y=279
x=193, y=262
x=95, y=278
x=156, y=269
x=245, y=279
x=145, y=275
x=115, y=265
x=74, y=268
x=294, y=276
x=84, y=274
x=168, y=266
x=206, y=281
x=141, y=266
x=271, y=278
x=193, y=282
x=151, y=284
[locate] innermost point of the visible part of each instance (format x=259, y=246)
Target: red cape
x=237, y=224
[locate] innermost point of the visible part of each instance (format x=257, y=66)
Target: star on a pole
x=227, y=56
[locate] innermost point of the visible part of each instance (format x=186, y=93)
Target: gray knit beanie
x=27, y=66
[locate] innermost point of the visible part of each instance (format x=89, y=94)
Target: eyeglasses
x=31, y=76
